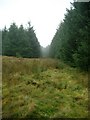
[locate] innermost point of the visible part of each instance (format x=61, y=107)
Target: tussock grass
x=43, y=88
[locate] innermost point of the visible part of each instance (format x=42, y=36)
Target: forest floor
x=43, y=88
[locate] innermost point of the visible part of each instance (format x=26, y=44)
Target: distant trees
x=20, y=41
x=71, y=41
x=45, y=51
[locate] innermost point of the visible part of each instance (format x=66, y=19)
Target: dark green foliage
x=20, y=42
x=71, y=41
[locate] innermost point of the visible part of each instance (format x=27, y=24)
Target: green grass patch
x=43, y=88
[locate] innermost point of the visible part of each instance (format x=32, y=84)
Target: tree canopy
x=71, y=41
x=20, y=41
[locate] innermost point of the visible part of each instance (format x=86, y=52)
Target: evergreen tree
x=20, y=42
x=71, y=41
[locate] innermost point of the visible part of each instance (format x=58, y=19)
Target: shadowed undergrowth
x=43, y=88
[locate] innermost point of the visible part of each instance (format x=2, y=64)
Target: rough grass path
x=43, y=88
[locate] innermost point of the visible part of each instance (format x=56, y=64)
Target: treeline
x=45, y=51
x=71, y=41
x=20, y=42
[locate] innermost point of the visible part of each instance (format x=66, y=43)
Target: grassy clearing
x=43, y=88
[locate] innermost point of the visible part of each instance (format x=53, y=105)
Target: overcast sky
x=45, y=15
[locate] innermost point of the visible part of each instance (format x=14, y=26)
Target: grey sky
x=45, y=15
